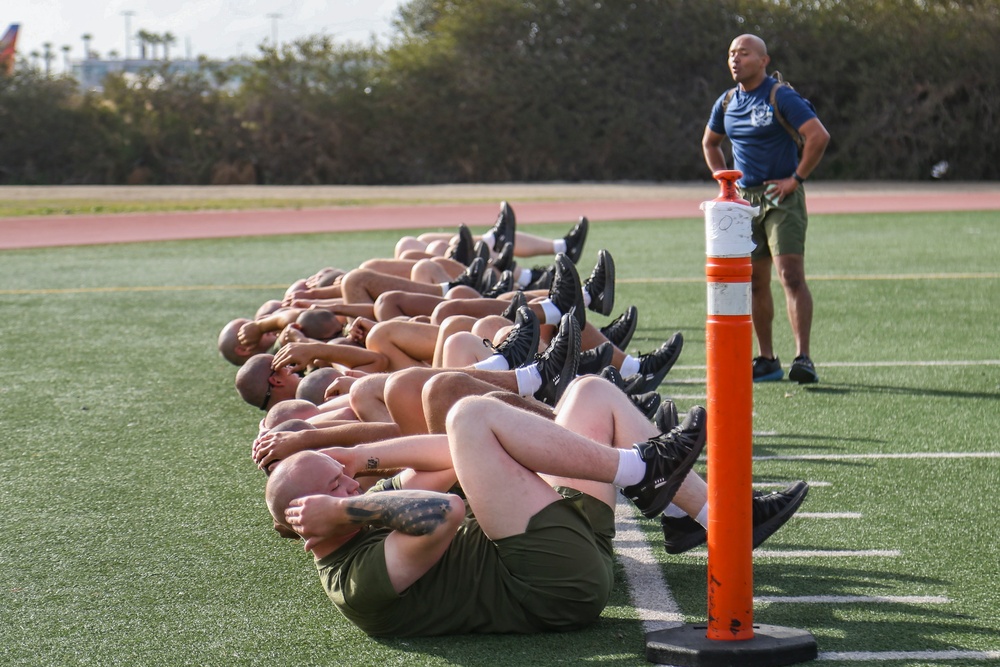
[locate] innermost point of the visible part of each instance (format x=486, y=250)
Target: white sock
x=631, y=468
x=586, y=298
x=488, y=239
x=702, y=517
x=494, y=362
x=558, y=246
x=524, y=277
x=529, y=380
x=630, y=366
x=552, y=314
x=444, y=288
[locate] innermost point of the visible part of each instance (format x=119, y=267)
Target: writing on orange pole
x=728, y=349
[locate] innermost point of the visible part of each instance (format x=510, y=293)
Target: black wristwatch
x=798, y=178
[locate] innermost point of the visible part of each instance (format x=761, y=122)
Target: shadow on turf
x=611, y=642
x=886, y=626
x=848, y=388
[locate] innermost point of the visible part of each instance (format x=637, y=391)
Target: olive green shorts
x=564, y=561
x=779, y=229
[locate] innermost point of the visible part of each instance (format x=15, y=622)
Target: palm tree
x=66, y=49
x=168, y=40
x=86, y=45
x=48, y=55
x=144, y=38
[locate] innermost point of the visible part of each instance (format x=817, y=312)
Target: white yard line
x=851, y=599
x=912, y=455
x=886, y=656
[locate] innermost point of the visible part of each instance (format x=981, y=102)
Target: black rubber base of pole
x=771, y=646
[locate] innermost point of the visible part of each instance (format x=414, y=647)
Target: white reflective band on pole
x=729, y=298
x=728, y=228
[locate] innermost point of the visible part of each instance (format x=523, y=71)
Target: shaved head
x=751, y=42
x=301, y=474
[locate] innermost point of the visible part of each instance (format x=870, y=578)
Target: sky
x=215, y=28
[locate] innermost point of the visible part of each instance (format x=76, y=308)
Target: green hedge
x=508, y=90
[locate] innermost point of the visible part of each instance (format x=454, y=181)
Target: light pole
x=274, y=28
x=128, y=14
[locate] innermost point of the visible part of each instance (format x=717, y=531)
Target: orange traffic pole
x=728, y=349
x=730, y=637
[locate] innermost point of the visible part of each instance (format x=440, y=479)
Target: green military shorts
x=779, y=229
x=564, y=560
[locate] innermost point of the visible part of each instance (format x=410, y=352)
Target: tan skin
x=748, y=62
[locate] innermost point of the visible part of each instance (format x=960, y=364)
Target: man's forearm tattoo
x=402, y=511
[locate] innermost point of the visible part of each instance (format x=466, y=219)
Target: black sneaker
x=516, y=301
x=576, y=238
x=619, y=330
x=521, y=343
x=504, y=261
x=558, y=363
x=655, y=365
x=647, y=403
x=504, y=228
x=767, y=370
x=611, y=374
x=666, y=416
x=594, y=359
x=634, y=383
x=482, y=250
x=462, y=250
x=504, y=283
x=566, y=292
x=669, y=457
x=601, y=284
x=681, y=533
x=472, y=276
x=802, y=370
x=770, y=512
x=541, y=277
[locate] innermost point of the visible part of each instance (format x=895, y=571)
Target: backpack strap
x=792, y=132
x=728, y=98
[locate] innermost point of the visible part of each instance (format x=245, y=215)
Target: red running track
x=34, y=232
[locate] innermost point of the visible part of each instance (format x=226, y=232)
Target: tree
x=167, y=39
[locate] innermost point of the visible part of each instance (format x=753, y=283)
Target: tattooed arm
x=423, y=523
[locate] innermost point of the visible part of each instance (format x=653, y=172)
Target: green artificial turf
x=135, y=531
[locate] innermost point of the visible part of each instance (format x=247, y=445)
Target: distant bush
x=508, y=90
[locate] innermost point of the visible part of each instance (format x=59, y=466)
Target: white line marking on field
x=864, y=553
x=851, y=599
x=827, y=515
x=781, y=485
x=893, y=364
x=882, y=656
x=914, y=455
x=651, y=595
x=852, y=364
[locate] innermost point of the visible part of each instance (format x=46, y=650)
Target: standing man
x=773, y=176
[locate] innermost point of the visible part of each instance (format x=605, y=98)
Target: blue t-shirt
x=762, y=148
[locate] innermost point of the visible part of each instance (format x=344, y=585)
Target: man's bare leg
x=368, y=398
x=403, y=393
x=405, y=344
x=393, y=304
